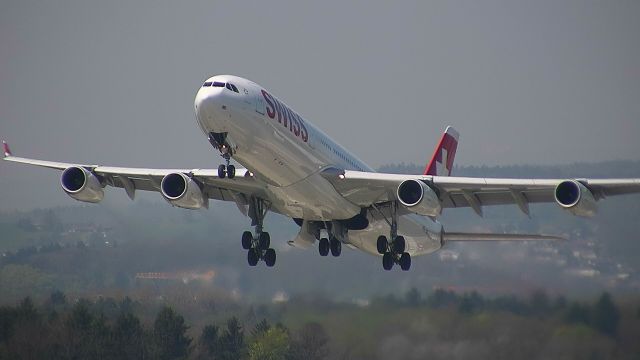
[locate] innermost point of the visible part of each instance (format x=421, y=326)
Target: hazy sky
x=113, y=82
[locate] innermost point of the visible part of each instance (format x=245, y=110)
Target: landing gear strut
x=218, y=140
x=258, y=243
x=394, y=251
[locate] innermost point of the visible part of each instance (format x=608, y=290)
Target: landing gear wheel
x=405, y=261
x=247, y=239
x=264, y=240
x=399, y=245
x=336, y=247
x=382, y=244
x=270, y=257
x=387, y=261
x=231, y=171
x=323, y=247
x=252, y=257
x=222, y=171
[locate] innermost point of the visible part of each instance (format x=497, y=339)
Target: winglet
x=441, y=162
x=7, y=151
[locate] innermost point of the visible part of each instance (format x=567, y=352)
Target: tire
x=222, y=172
x=231, y=171
x=336, y=247
x=252, y=257
x=247, y=239
x=387, y=261
x=382, y=244
x=323, y=247
x=264, y=240
x=405, y=262
x=399, y=245
x=270, y=257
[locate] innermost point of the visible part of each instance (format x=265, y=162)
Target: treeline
x=111, y=330
x=603, y=315
x=442, y=325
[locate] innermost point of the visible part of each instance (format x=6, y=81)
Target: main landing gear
x=331, y=244
x=394, y=251
x=258, y=243
x=218, y=141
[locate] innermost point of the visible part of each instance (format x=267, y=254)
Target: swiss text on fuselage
x=286, y=117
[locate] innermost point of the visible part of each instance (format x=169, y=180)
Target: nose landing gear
x=219, y=141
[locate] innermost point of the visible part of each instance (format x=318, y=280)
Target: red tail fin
x=7, y=151
x=441, y=163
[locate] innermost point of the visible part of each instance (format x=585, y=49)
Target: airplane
x=291, y=167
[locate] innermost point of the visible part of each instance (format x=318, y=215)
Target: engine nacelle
x=576, y=198
x=419, y=198
x=81, y=184
x=180, y=190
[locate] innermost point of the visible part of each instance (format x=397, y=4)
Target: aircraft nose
x=210, y=107
x=207, y=100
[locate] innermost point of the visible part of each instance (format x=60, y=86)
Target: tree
x=57, y=298
x=260, y=328
x=169, y=336
x=413, y=297
x=442, y=298
x=577, y=314
x=128, y=337
x=272, y=344
x=209, y=342
x=606, y=315
x=77, y=330
x=470, y=303
x=309, y=343
x=232, y=346
x=540, y=304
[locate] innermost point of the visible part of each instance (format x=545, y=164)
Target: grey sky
x=113, y=82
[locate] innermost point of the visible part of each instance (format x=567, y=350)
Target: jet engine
x=576, y=198
x=419, y=198
x=181, y=191
x=81, y=184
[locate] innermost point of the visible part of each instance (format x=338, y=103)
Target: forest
x=442, y=325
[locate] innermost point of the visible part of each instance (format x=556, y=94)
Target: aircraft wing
x=133, y=179
x=365, y=189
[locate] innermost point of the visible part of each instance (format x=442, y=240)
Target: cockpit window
x=218, y=84
x=206, y=84
x=232, y=87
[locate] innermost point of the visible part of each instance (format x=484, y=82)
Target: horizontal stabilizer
x=461, y=236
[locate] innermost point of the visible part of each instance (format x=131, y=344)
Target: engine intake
x=81, y=184
x=419, y=198
x=576, y=198
x=180, y=190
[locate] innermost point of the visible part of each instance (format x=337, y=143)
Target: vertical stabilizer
x=7, y=151
x=441, y=162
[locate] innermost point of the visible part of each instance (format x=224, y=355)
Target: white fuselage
x=288, y=153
